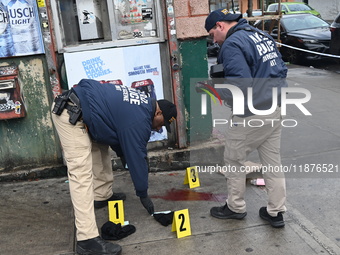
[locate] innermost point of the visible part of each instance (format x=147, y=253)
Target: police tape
x=308, y=51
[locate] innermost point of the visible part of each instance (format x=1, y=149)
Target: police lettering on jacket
x=264, y=46
x=132, y=96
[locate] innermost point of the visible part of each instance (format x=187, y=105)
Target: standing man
x=88, y=118
x=250, y=59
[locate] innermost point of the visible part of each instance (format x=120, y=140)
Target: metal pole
x=175, y=75
x=50, y=51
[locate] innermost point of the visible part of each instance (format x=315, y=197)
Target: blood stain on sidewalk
x=190, y=195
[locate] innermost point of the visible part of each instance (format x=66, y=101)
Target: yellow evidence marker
x=116, y=211
x=191, y=177
x=181, y=223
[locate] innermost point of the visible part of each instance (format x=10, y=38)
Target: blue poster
x=20, y=31
x=138, y=67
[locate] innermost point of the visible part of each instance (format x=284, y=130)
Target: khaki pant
x=252, y=133
x=89, y=172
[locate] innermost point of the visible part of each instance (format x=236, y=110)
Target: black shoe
x=97, y=246
x=276, y=222
x=224, y=212
x=114, y=197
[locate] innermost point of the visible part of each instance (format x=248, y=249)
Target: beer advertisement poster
x=20, y=31
x=138, y=67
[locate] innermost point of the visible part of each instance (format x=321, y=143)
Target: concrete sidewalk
x=36, y=216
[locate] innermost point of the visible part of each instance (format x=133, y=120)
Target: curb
x=33, y=174
x=167, y=159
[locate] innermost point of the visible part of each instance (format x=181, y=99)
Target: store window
x=91, y=24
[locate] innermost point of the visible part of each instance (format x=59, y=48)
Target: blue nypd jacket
x=250, y=58
x=121, y=117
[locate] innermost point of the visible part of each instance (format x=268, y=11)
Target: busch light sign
x=20, y=32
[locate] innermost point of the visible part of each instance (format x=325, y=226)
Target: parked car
x=304, y=31
x=335, y=36
x=254, y=13
x=293, y=8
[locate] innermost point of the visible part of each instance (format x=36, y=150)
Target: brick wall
x=190, y=18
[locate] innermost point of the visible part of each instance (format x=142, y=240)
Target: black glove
x=148, y=205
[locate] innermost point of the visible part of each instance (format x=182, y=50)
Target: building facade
x=157, y=44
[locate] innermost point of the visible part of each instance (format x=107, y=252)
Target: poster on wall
x=12, y=103
x=135, y=19
x=136, y=66
x=20, y=31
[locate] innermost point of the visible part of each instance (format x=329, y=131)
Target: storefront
x=146, y=44
x=113, y=40
x=52, y=45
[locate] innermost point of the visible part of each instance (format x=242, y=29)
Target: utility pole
x=250, y=8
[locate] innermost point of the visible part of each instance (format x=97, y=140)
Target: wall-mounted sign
x=20, y=32
x=11, y=101
x=136, y=66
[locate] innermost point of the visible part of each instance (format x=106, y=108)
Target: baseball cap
x=169, y=112
x=220, y=15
